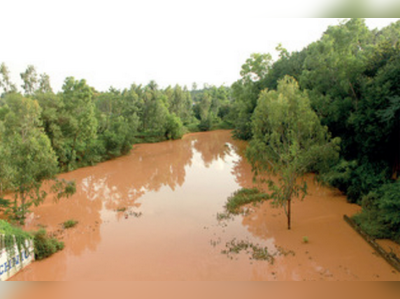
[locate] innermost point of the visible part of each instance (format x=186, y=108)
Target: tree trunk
x=289, y=214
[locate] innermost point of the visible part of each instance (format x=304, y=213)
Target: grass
x=243, y=197
x=70, y=223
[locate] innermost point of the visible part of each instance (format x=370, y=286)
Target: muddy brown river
x=152, y=215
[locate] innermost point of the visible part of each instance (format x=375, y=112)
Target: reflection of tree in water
x=121, y=182
x=242, y=169
x=213, y=146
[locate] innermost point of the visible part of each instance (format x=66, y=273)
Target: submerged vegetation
x=45, y=245
x=288, y=141
x=70, y=223
x=256, y=252
x=242, y=197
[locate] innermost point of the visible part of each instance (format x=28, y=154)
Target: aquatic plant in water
x=242, y=197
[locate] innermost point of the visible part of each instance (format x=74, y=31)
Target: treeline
x=43, y=133
x=352, y=78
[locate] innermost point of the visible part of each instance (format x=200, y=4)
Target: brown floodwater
x=152, y=215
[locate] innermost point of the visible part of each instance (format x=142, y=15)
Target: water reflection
x=212, y=147
x=216, y=167
x=178, y=187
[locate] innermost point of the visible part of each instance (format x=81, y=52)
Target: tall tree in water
x=288, y=141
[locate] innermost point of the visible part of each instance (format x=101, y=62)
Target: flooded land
x=152, y=215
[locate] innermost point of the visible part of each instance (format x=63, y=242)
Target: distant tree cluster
x=43, y=133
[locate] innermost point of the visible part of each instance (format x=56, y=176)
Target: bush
x=380, y=216
x=174, y=128
x=193, y=127
x=45, y=246
x=205, y=125
x=357, y=179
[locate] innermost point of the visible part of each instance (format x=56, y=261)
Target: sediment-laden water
x=152, y=215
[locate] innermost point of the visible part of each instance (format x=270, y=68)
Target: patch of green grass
x=70, y=223
x=305, y=239
x=244, y=196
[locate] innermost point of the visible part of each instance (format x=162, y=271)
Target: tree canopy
x=288, y=141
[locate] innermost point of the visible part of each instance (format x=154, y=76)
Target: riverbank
x=172, y=192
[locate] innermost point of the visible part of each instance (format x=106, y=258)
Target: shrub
x=205, y=125
x=174, y=127
x=45, y=246
x=357, y=179
x=380, y=216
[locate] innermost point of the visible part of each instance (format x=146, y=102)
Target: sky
x=117, y=43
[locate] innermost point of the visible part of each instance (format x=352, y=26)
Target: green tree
x=44, y=84
x=80, y=123
x=27, y=158
x=288, y=141
x=118, y=121
x=246, y=91
x=5, y=81
x=30, y=79
x=204, y=112
x=174, y=127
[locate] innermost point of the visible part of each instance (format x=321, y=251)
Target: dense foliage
x=288, y=141
x=45, y=245
x=43, y=133
x=352, y=78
